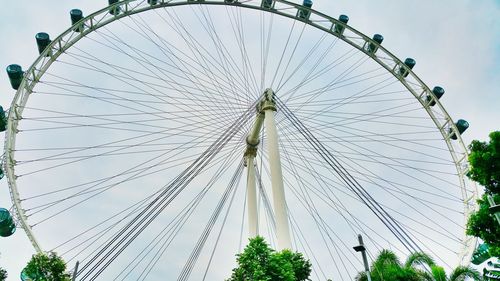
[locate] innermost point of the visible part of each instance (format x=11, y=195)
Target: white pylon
x=266, y=109
x=279, y=201
x=253, y=218
x=250, y=153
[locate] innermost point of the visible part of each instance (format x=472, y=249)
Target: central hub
x=268, y=101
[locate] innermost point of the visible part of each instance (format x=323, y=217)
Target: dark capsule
x=7, y=225
x=76, y=15
x=115, y=10
x=15, y=73
x=373, y=47
x=305, y=13
x=438, y=93
x=3, y=127
x=339, y=28
x=268, y=4
x=42, y=41
x=410, y=63
x=461, y=125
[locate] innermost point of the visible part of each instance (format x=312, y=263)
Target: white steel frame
x=266, y=109
x=351, y=36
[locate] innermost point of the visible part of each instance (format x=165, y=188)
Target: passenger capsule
x=115, y=10
x=410, y=63
x=339, y=28
x=15, y=73
x=461, y=125
x=438, y=93
x=3, y=126
x=305, y=13
x=7, y=225
x=373, y=47
x=76, y=15
x=268, y=4
x=24, y=276
x=481, y=254
x=42, y=41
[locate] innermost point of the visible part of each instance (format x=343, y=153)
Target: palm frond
x=461, y=273
x=419, y=258
x=386, y=258
x=361, y=277
x=438, y=273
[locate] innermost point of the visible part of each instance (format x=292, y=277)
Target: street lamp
x=361, y=248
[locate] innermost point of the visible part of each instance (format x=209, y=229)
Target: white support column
x=250, y=154
x=253, y=218
x=279, y=201
x=266, y=109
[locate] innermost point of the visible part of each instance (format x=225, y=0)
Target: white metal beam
x=279, y=201
x=253, y=218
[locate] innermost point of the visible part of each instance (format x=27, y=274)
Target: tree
x=484, y=225
x=458, y=274
x=3, y=274
x=484, y=162
x=388, y=267
x=43, y=267
x=258, y=262
x=419, y=261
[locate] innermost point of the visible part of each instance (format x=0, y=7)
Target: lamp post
x=75, y=271
x=361, y=248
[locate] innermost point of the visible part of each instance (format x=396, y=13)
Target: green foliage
x=388, y=267
x=438, y=273
x=462, y=273
x=484, y=160
x=484, y=225
x=3, y=274
x=386, y=258
x=258, y=262
x=419, y=259
x=44, y=267
x=396, y=273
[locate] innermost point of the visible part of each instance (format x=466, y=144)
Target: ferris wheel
x=152, y=138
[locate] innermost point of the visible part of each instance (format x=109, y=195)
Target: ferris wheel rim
x=102, y=17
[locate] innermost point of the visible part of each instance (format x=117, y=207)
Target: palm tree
x=387, y=267
x=460, y=273
x=420, y=260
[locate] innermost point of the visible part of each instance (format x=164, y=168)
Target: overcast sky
x=456, y=45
